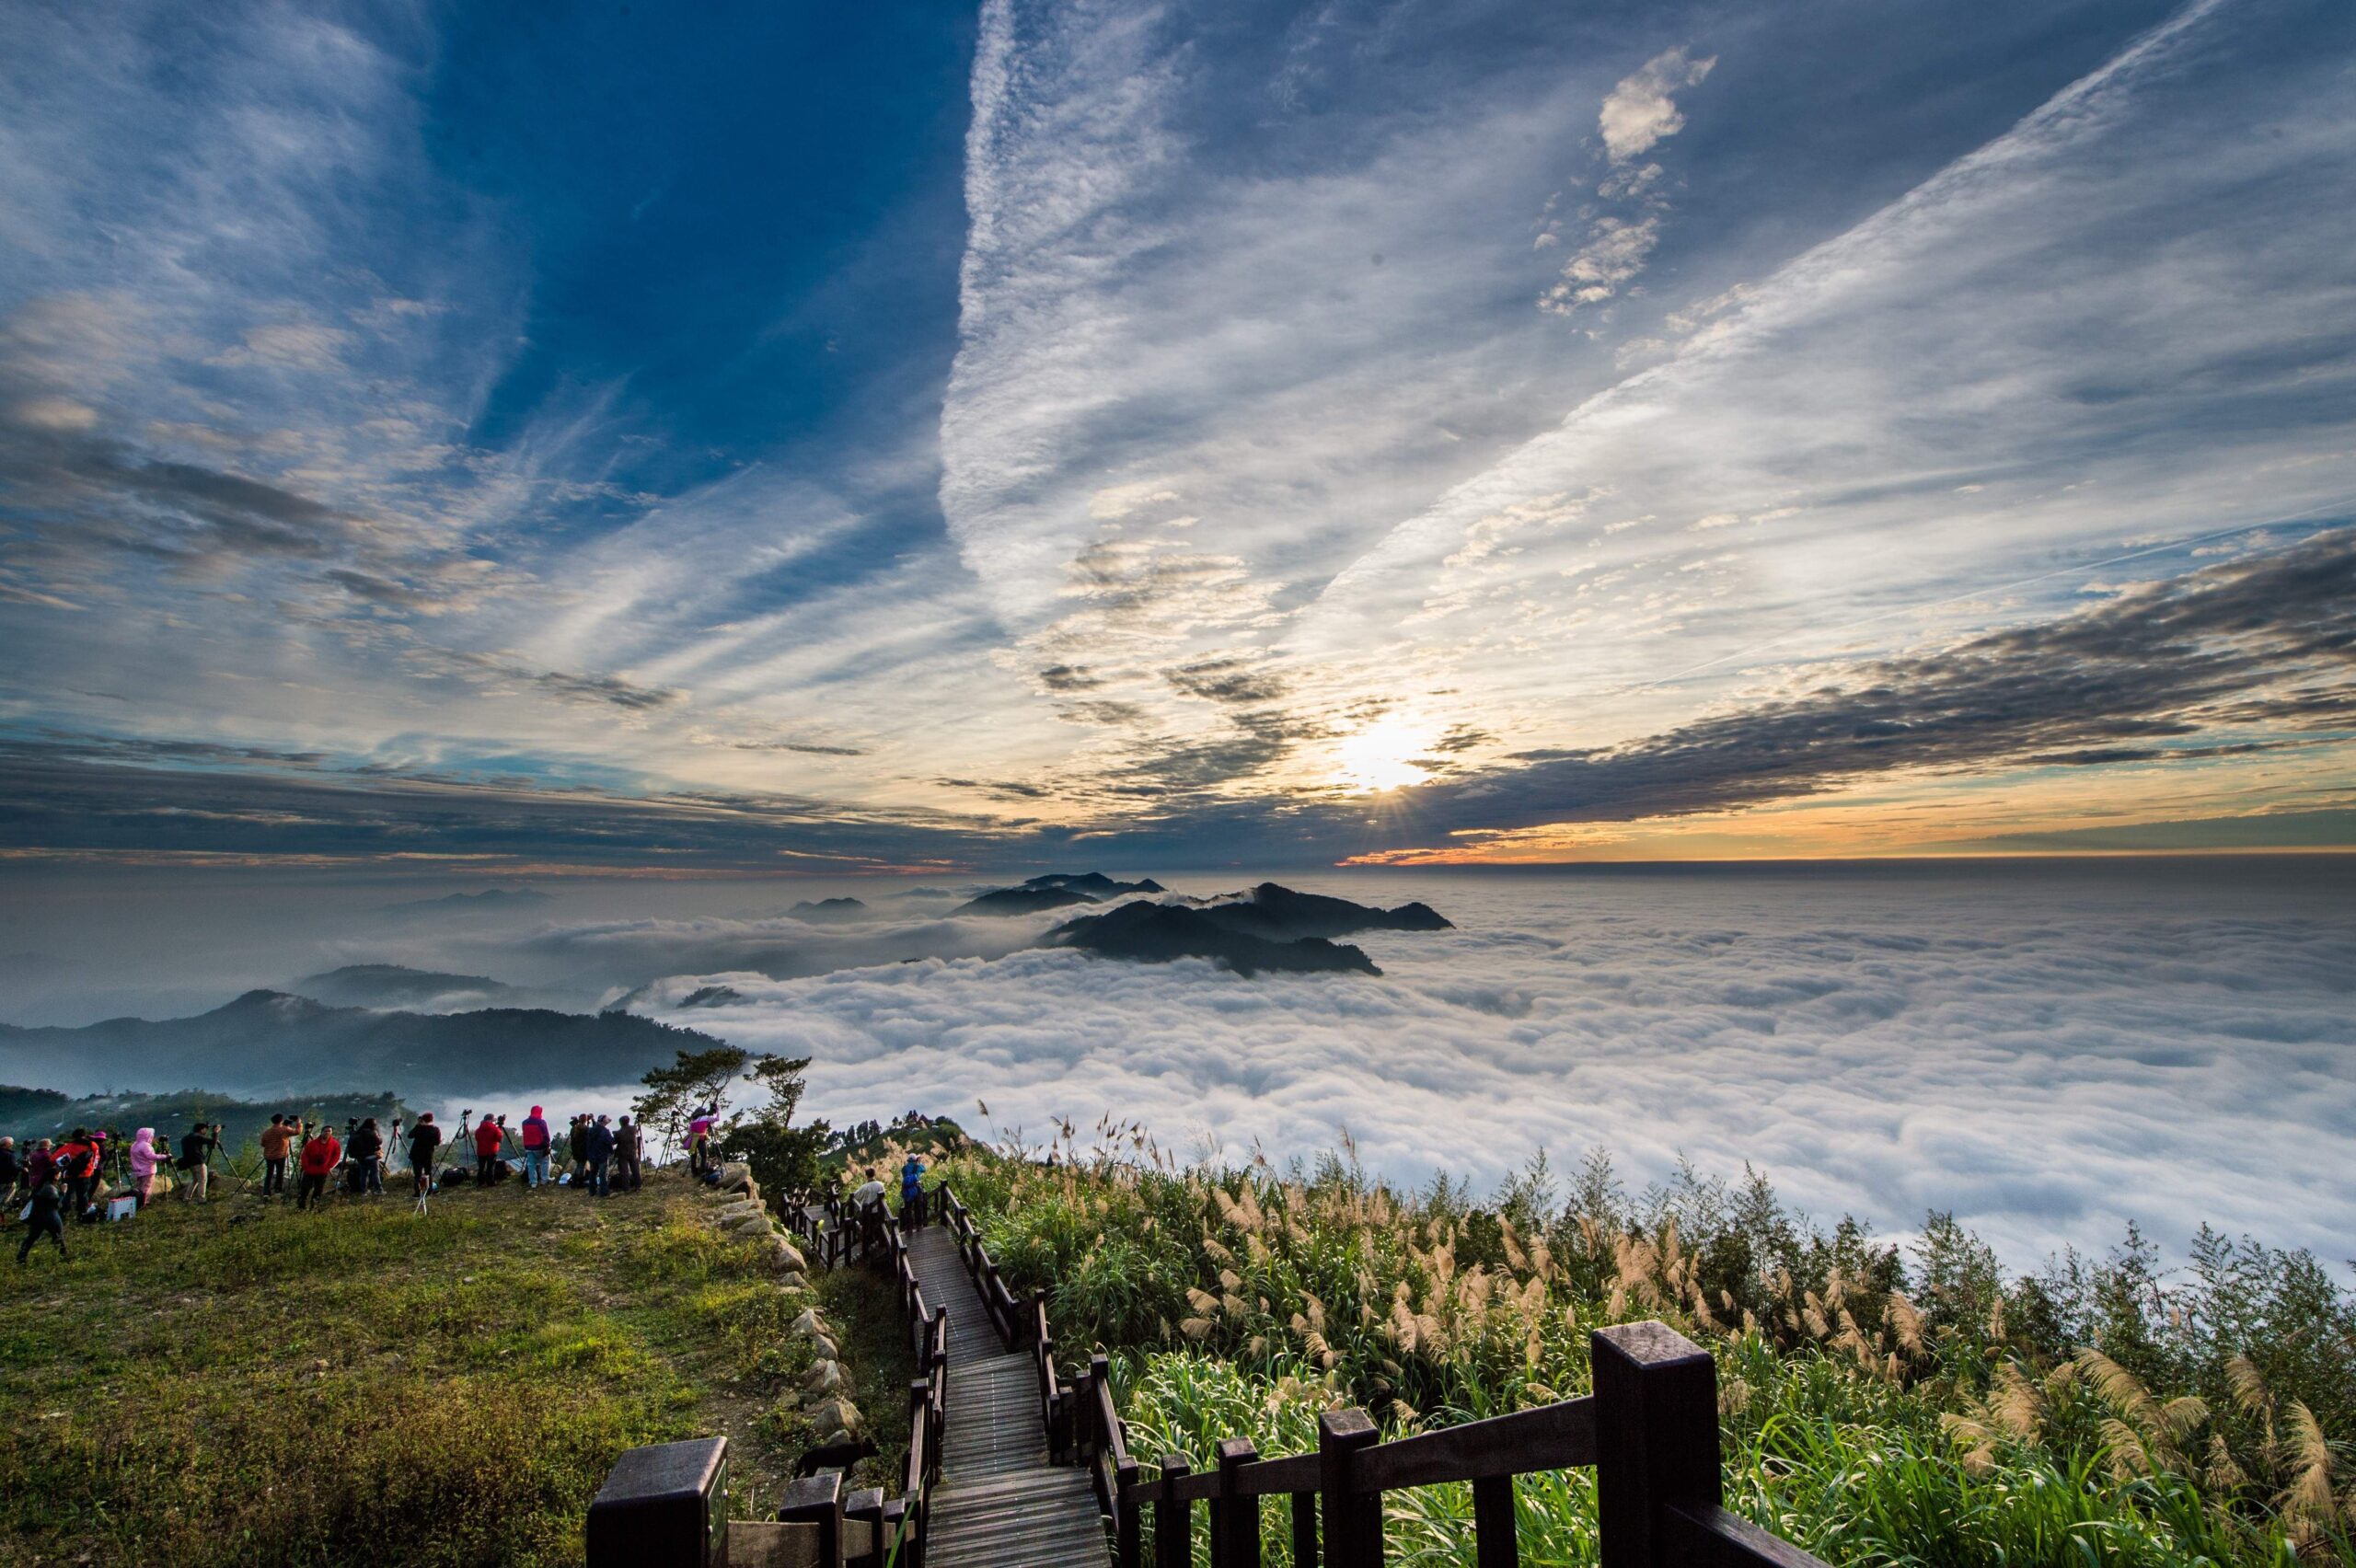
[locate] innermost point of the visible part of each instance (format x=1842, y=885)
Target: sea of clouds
x=2049, y=1053
x=2048, y=1049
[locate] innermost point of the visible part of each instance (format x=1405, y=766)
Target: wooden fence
x=1650, y=1430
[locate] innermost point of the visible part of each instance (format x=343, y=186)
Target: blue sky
x=825, y=439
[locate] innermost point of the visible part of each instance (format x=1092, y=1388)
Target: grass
x=243, y=1384
x=1879, y=1410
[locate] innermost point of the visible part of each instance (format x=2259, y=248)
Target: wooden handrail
x=1650, y=1429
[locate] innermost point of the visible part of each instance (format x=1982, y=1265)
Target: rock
x=790, y=1258
x=794, y=1283
x=835, y=1439
x=735, y=1176
x=836, y=1413
x=825, y=1345
x=745, y=1224
x=824, y=1377
x=809, y=1322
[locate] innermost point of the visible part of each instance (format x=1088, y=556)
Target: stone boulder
x=836, y=1413
x=735, y=1176
x=809, y=1324
x=824, y=1377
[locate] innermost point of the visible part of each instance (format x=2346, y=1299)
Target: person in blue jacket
x=912, y=1192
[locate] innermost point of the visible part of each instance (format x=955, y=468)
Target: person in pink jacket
x=145, y=1158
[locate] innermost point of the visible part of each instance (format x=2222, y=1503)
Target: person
x=48, y=1218
x=275, y=1140
x=699, y=1141
x=12, y=1172
x=912, y=1192
x=40, y=1166
x=368, y=1159
x=145, y=1161
x=535, y=1149
x=597, y=1148
x=488, y=1136
x=322, y=1152
x=626, y=1176
x=196, y=1157
x=424, y=1140
x=77, y=1159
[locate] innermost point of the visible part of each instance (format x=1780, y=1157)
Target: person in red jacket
x=535, y=1149
x=321, y=1154
x=488, y=1136
x=77, y=1161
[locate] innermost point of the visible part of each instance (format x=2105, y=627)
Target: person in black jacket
x=48, y=1218
x=424, y=1142
x=626, y=1146
x=367, y=1155
x=597, y=1148
x=196, y=1159
x=12, y=1174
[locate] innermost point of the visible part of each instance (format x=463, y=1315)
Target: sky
x=922, y=437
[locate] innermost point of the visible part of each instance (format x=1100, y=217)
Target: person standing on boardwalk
x=322, y=1152
x=196, y=1159
x=535, y=1149
x=424, y=1140
x=47, y=1219
x=145, y=1158
x=488, y=1136
x=912, y=1192
x=275, y=1140
x=626, y=1175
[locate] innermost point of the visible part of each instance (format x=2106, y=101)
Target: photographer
x=490, y=1134
x=425, y=1141
x=367, y=1153
x=276, y=1139
x=196, y=1159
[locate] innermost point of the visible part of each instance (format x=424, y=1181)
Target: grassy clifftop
x=238, y=1383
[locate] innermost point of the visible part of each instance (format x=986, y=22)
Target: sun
x=1381, y=757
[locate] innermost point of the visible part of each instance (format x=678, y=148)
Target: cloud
x=288, y=346
x=2115, y=1046
x=1614, y=253
x=1639, y=112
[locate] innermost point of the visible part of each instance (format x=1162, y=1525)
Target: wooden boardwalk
x=999, y=1502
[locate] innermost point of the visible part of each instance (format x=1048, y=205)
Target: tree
x=675, y=1093
x=784, y=1158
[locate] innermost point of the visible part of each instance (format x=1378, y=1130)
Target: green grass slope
x=241, y=1384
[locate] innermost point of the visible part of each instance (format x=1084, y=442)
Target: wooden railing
x=897, y=1524
x=1650, y=1429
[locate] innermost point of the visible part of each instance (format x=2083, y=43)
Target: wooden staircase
x=1000, y=1501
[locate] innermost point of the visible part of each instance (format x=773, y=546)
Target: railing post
x=1127, y=1531
x=1353, y=1519
x=817, y=1499
x=1304, y=1529
x=1656, y=1437
x=1235, y=1518
x=1493, y=1541
x=1173, y=1519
